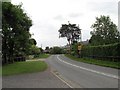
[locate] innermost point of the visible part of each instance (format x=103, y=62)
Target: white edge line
x=62, y=80
x=105, y=74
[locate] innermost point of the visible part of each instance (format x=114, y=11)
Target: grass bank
x=96, y=62
x=23, y=67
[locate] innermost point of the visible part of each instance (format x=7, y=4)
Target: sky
x=49, y=15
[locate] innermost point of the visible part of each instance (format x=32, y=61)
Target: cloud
x=59, y=17
x=104, y=7
x=75, y=15
x=48, y=15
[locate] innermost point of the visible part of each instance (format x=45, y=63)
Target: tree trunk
x=4, y=51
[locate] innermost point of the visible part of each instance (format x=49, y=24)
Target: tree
x=34, y=50
x=56, y=50
x=71, y=32
x=47, y=50
x=0, y=14
x=41, y=50
x=32, y=41
x=15, y=31
x=104, y=31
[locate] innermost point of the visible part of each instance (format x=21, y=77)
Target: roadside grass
x=0, y=70
x=42, y=56
x=95, y=61
x=23, y=67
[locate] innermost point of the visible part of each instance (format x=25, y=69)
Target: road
x=33, y=80
x=82, y=75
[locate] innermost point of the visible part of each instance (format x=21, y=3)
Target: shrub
x=111, y=50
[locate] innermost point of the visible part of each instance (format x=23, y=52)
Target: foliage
x=0, y=14
x=33, y=50
x=15, y=32
x=104, y=32
x=41, y=50
x=47, y=48
x=101, y=50
x=74, y=50
x=71, y=32
x=57, y=50
x=23, y=67
x=32, y=41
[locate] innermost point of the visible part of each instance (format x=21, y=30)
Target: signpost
x=79, y=49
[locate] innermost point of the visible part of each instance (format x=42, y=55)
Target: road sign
x=79, y=47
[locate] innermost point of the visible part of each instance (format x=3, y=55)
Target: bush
x=74, y=50
x=101, y=50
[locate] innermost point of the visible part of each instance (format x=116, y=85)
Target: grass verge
x=23, y=67
x=42, y=56
x=0, y=70
x=96, y=62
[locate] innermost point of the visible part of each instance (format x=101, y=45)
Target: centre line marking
x=105, y=74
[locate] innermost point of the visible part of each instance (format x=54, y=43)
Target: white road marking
x=62, y=80
x=105, y=74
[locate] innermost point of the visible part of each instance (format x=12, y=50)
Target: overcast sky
x=48, y=15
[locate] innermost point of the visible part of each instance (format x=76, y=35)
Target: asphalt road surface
x=33, y=80
x=82, y=75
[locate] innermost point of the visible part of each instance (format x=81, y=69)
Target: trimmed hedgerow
x=111, y=50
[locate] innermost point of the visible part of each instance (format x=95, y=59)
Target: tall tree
x=0, y=14
x=15, y=31
x=71, y=32
x=104, y=31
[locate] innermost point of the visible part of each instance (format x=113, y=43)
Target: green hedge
x=101, y=50
x=74, y=49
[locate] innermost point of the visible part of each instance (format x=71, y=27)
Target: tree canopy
x=15, y=31
x=104, y=31
x=71, y=32
x=32, y=41
x=0, y=14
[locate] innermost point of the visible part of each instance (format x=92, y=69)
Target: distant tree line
x=54, y=50
x=57, y=50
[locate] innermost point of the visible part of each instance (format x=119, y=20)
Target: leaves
x=71, y=32
x=57, y=50
x=104, y=31
x=101, y=50
x=15, y=31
